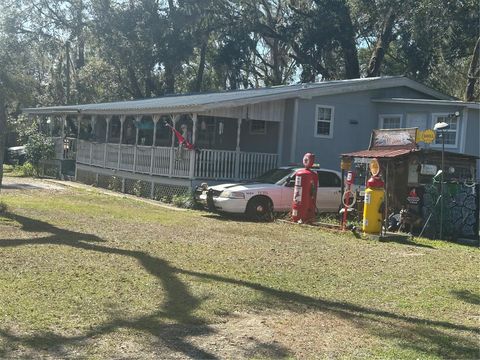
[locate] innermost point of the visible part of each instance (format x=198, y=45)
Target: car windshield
x=273, y=176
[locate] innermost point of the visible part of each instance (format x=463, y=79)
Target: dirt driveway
x=19, y=183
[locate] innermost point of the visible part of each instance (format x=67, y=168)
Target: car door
x=287, y=194
x=329, y=191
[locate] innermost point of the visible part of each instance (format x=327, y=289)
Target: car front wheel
x=260, y=209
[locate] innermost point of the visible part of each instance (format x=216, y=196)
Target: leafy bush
x=165, y=199
x=26, y=169
x=115, y=184
x=8, y=169
x=39, y=147
x=183, y=201
x=141, y=188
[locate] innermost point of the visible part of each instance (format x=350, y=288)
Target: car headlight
x=232, y=194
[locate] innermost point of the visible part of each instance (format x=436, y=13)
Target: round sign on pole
x=428, y=136
x=345, y=164
x=374, y=167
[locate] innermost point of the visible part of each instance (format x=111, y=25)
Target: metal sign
x=426, y=169
x=394, y=137
x=361, y=160
x=345, y=164
x=426, y=136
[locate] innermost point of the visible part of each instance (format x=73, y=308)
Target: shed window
x=324, y=121
x=450, y=133
x=390, y=121
x=258, y=127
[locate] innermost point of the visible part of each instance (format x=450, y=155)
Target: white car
x=270, y=192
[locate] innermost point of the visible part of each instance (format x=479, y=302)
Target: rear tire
x=260, y=209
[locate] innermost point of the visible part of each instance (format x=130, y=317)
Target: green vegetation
x=88, y=275
x=37, y=148
x=25, y=170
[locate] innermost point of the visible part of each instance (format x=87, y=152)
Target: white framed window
x=451, y=134
x=390, y=121
x=324, y=116
x=258, y=127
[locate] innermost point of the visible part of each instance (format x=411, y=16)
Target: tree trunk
x=3, y=133
x=169, y=79
x=201, y=68
x=349, y=47
x=381, y=46
x=473, y=73
x=134, y=86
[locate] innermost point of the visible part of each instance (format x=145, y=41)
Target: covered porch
x=229, y=148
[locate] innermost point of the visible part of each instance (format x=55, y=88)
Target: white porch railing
x=167, y=161
x=254, y=164
x=112, y=156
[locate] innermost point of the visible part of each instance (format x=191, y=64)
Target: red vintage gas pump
x=305, y=192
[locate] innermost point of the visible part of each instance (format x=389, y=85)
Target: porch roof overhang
x=459, y=103
x=205, y=102
x=381, y=153
x=390, y=153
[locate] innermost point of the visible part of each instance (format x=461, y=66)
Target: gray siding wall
x=263, y=143
x=347, y=136
x=428, y=111
x=287, y=132
x=355, y=116
x=472, y=143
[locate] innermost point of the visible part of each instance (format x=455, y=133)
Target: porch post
x=79, y=121
x=64, y=119
x=93, y=120
x=194, y=140
x=156, y=118
x=107, y=121
x=122, y=120
x=237, y=149
x=172, y=148
x=51, y=124
x=280, y=144
x=138, y=118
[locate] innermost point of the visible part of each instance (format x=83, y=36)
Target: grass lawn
x=86, y=275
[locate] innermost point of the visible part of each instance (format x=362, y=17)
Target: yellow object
x=372, y=212
x=345, y=164
x=427, y=136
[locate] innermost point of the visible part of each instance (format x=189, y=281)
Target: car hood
x=244, y=186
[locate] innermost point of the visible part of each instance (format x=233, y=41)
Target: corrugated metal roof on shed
x=380, y=153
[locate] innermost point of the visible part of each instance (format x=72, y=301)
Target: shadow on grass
x=227, y=217
x=424, y=335
x=467, y=296
x=403, y=240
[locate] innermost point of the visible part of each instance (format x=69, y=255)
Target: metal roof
x=392, y=153
x=207, y=101
x=380, y=153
